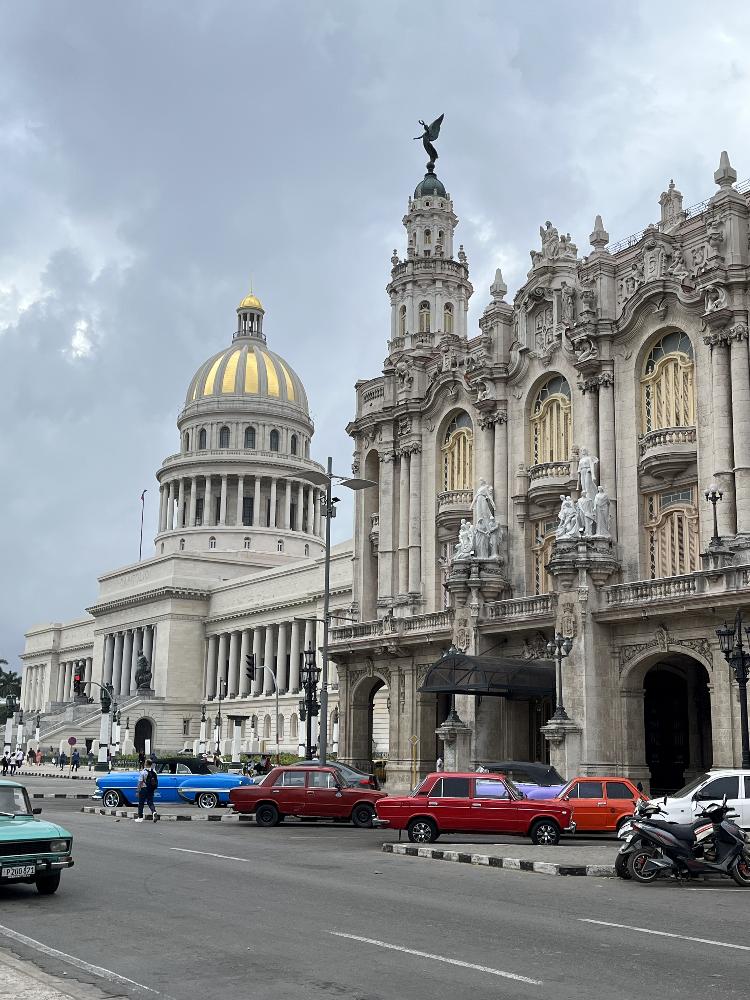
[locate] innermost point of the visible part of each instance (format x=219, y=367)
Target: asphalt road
x=309, y=911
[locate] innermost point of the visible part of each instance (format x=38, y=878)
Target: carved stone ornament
x=404, y=375
x=387, y=456
x=715, y=298
x=534, y=647
x=568, y=622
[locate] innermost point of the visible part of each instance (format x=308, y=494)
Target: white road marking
x=681, y=937
x=95, y=970
x=438, y=958
x=208, y=854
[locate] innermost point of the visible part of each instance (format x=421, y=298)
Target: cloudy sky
x=155, y=157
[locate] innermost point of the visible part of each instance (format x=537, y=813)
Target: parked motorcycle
x=645, y=809
x=711, y=845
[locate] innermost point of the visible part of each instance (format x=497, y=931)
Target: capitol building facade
x=544, y=477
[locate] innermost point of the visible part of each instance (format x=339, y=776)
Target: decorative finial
x=726, y=175
x=498, y=288
x=394, y=258
x=600, y=237
x=430, y=134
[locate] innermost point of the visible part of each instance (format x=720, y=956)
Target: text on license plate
x=17, y=871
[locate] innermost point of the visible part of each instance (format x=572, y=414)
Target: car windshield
x=691, y=786
x=14, y=801
x=417, y=788
x=515, y=793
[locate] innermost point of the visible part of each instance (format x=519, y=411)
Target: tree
x=10, y=683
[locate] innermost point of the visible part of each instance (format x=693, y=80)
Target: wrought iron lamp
x=558, y=648
x=730, y=642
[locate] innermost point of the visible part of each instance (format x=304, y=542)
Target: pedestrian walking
x=141, y=760
x=148, y=782
x=91, y=760
x=75, y=760
x=30, y=756
x=55, y=758
x=20, y=758
x=439, y=765
x=6, y=763
x=63, y=760
x=38, y=758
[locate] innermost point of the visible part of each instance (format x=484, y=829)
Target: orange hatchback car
x=600, y=805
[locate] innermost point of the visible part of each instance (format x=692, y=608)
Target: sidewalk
x=21, y=980
x=564, y=859
x=50, y=771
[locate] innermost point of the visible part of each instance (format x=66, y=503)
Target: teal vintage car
x=31, y=850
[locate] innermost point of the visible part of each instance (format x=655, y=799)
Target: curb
x=167, y=818
x=59, y=795
x=46, y=774
x=492, y=861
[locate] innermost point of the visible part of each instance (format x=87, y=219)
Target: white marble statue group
x=589, y=515
x=480, y=539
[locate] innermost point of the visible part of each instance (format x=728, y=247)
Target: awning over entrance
x=504, y=676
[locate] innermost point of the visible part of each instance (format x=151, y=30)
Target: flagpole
x=140, y=545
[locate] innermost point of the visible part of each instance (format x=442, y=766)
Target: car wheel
x=267, y=815
x=741, y=871
x=621, y=867
x=207, y=800
x=422, y=831
x=545, y=833
x=47, y=884
x=363, y=815
x=112, y=799
x=637, y=861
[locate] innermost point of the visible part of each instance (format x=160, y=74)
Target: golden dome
x=251, y=302
x=248, y=369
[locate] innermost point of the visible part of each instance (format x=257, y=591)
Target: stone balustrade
x=667, y=437
x=536, y=606
x=454, y=498
x=549, y=470
x=643, y=591
x=419, y=624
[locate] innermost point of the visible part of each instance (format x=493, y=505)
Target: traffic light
x=77, y=684
x=250, y=669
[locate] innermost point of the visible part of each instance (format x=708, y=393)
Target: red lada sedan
x=308, y=792
x=471, y=803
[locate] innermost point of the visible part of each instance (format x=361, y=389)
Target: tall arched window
x=671, y=521
x=212, y=542
x=280, y=545
x=202, y=439
x=182, y=545
x=293, y=444
x=246, y=542
x=267, y=728
x=427, y=237
x=447, y=318
x=402, y=321
x=667, y=385
x=307, y=550
x=293, y=727
x=224, y=437
x=551, y=422
x=424, y=317
x=280, y=724
x=249, y=437
x=273, y=441
x=542, y=540
x=186, y=441
x=458, y=458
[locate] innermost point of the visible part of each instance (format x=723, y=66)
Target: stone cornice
x=276, y=607
x=155, y=594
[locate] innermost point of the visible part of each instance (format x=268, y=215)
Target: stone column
x=109, y=656
x=294, y=659
x=223, y=502
x=300, y=506
x=211, y=662
x=60, y=681
x=268, y=660
x=403, y=524
x=722, y=413
x=193, y=500
x=233, y=686
x=272, y=513
x=256, y=502
x=310, y=509
x=221, y=670
x=148, y=648
x=170, y=505
x=281, y=666
x=87, y=672
x=244, y=653
x=288, y=505
x=607, y=444
x=485, y=456
x=208, y=502
x=181, y=504
x=162, y=507
x=319, y=501
x=741, y=425
x=117, y=661
x=501, y=472
x=587, y=426
x=258, y=654
x=385, y=540
x=239, y=520
x=127, y=662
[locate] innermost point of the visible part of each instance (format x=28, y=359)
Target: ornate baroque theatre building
x=625, y=368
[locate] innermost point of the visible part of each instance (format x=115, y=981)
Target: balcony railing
x=666, y=437
x=521, y=607
x=433, y=622
x=549, y=470
x=454, y=498
x=643, y=591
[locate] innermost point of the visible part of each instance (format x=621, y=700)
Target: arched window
x=186, y=441
x=267, y=728
x=447, y=318
x=458, y=458
x=212, y=542
x=671, y=522
x=293, y=726
x=246, y=542
x=224, y=437
x=280, y=724
x=424, y=317
x=551, y=422
x=273, y=441
x=202, y=439
x=280, y=545
x=427, y=237
x=254, y=723
x=440, y=236
x=402, y=321
x=293, y=444
x=249, y=437
x=182, y=545
x=307, y=550
x=667, y=385
x=542, y=540
x=162, y=548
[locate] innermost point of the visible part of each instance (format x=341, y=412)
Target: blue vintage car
x=181, y=779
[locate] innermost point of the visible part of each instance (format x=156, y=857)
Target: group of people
x=261, y=765
x=12, y=762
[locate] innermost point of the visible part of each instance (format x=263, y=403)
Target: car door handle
x=476, y=805
x=275, y=791
x=432, y=805
x=601, y=803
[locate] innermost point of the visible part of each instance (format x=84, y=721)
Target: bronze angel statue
x=430, y=134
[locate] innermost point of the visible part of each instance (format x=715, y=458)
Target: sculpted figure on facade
x=586, y=517
x=482, y=538
x=715, y=298
x=567, y=519
x=465, y=547
x=601, y=511
x=483, y=503
x=568, y=304
x=587, y=473
x=495, y=531
x=143, y=672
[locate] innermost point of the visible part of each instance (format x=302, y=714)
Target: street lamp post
x=202, y=736
x=19, y=733
x=308, y=705
x=730, y=641
x=12, y=706
x=713, y=495
x=558, y=648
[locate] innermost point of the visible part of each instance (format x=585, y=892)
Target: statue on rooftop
x=430, y=134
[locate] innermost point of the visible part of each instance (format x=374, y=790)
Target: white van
x=708, y=788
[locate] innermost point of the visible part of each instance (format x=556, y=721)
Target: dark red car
x=471, y=803
x=307, y=792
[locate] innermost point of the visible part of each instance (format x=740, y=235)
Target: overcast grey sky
x=154, y=156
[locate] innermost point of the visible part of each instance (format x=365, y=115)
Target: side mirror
x=37, y=810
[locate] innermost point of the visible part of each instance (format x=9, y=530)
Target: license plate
x=17, y=871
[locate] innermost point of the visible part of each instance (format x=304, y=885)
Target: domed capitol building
x=540, y=490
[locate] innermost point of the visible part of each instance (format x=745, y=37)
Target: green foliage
x=10, y=684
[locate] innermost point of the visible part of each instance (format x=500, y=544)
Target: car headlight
x=59, y=846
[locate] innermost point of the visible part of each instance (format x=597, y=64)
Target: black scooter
x=711, y=845
x=645, y=809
